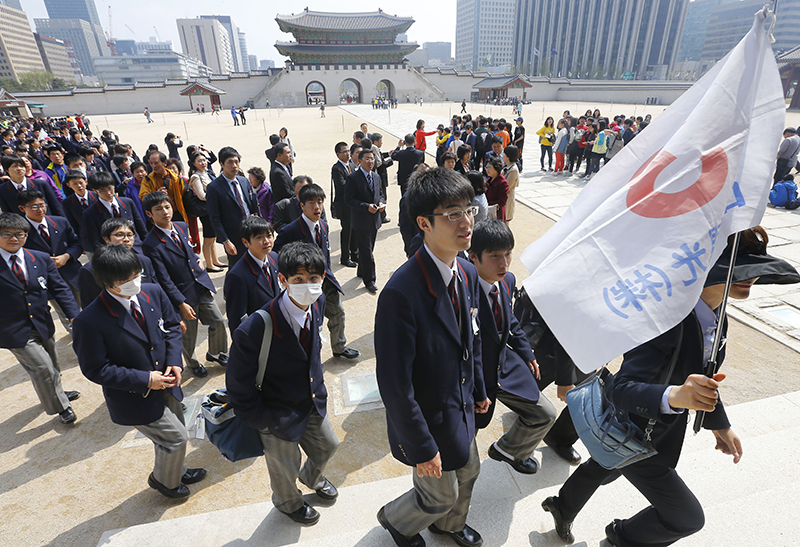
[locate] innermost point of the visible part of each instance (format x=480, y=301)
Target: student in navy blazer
x=253, y=281
x=429, y=368
x=76, y=203
x=115, y=231
x=310, y=228
x=185, y=282
x=365, y=202
x=26, y=325
x=290, y=408
x=509, y=366
x=127, y=340
x=15, y=168
x=104, y=208
x=224, y=210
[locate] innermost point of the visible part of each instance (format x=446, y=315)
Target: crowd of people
x=122, y=248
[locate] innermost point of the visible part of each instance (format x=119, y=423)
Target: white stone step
x=752, y=503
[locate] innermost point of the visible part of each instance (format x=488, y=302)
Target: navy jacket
x=293, y=384
x=116, y=353
x=26, y=308
x=62, y=240
x=97, y=214
x=247, y=288
x=178, y=271
x=224, y=211
x=281, y=183
x=9, y=202
x=89, y=289
x=338, y=179
x=358, y=196
x=298, y=231
x=638, y=389
x=505, y=355
x=429, y=372
x=73, y=209
x=407, y=160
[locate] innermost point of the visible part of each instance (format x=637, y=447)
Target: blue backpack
x=784, y=194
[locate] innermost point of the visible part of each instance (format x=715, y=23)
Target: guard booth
x=203, y=93
x=11, y=106
x=502, y=87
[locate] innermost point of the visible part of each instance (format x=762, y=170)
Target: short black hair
x=71, y=156
x=154, y=198
x=8, y=160
x=301, y=179
x=353, y=148
x=310, y=192
x=119, y=159
x=161, y=155
x=495, y=162
x=299, y=255
x=463, y=149
x=477, y=182
x=228, y=152
x=359, y=135
x=73, y=174
x=255, y=226
x=84, y=151
x=274, y=139
x=101, y=179
x=27, y=196
x=365, y=151
x=113, y=224
x=366, y=143
x=114, y=263
x=436, y=187
x=448, y=156
x=409, y=139
x=136, y=165
x=13, y=221
x=374, y=137
x=496, y=139
x=491, y=235
x=337, y=149
x=512, y=152
x=280, y=148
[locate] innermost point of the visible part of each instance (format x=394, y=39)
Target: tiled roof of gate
x=324, y=20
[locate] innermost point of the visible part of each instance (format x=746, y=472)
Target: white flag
x=628, y=260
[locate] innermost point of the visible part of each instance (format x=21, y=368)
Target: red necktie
x=496, y=311
x=266, y=271
x=305, y=338
x=115, y=210
x=44, y=234
x=318, y=235
x=138, y=316
x=177, y=240
x=84, y=203
x=451, y=290
x=17, y=271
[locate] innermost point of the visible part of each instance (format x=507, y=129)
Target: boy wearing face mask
x=310, y=227
x=185, y=282
x=127, y=341
x=290, y=408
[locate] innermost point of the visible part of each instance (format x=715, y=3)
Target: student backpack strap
x=266, y=342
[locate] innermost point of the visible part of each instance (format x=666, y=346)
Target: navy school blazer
x=297, y=230
x=9, y=197
x=89, y=289
x=429, y=372
x=247, y=289
x=74, y=213
x=116, y=353
x=97, y=214
x=63, y=239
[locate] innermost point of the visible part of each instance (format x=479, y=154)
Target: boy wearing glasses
x=429, y=366
x=27, y=279
x=108, y=206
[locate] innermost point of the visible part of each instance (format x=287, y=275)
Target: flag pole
x=711, y=367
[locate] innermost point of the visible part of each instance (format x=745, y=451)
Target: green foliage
x=34, y=81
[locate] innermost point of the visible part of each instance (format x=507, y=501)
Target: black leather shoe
x=191, y=476
x=349, y=264
x=175, y=493
x=386, y=220
x=327, y=491
x=199, y=371
x=566, y=453
x=305, y=515
x=467, y=537
x=563, y=528
x=372, y=288
x=72, y=395
x=528, y=466
x=611, y=533
x=67, y=416
x=401, y=540
x=348, y=353
x=222, y=359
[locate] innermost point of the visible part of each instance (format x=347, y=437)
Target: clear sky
x=435, y=20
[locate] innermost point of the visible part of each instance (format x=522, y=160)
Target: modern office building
x=55, y=57
x=638, y=38
x=132, y=47
x=206, y=40
x=695, y=27
x=438, y=51
x=73, y=9
x=233, y=38
x=86, y=41
x=264, y=64
x=153, y=66
x=11, y=4
x=18, y=50
x=787, y=26
x=253, y=60
x=727, y=24
x=484, y=33
x=243, y=52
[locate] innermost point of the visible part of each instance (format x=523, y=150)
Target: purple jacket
x=265, y=204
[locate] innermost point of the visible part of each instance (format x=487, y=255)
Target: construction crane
x=130, y=29
x=110, y=40
x=157, y=36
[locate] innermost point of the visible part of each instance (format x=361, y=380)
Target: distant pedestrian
x=322, y=111
x=202, y=109
x=241, y=115
x=235, y=116
x=147, y=115
x=463, y=106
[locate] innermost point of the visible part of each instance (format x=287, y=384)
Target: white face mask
x=304, y=294
x=131, y=288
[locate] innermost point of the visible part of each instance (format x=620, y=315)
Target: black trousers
x=548, y=151
x=365, y=241
x=562, y=434
x=782, y=169
x=347, y=244
x=674, y=512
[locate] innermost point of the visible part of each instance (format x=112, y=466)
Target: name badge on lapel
x=161, y=326
x=42, y=282
x=473, y=312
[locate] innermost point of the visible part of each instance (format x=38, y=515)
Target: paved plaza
x=86, y=484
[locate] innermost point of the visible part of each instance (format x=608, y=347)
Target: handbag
x=233, y=438
x=193, y=205
x=613, y=440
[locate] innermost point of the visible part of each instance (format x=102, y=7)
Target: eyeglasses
x=123, y=235
x=36, y=207
x=12, y=235
x=458, y=214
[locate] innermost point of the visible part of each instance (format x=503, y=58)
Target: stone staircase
x=752, y=503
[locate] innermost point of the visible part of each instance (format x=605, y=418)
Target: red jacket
x=497, y=193
x=419, y=139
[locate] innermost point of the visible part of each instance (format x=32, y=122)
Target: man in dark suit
x=230, y=200
x=127, y=340
x=27, y=280
x=108, y=206
x=76, y=203
x=310, y=228
x=642, y=389
x=15, y=168
x=253, y=281
x=362, y=193
x=407, y=160
x=509, y=366
x=428, y=363
x=290, y=408
x=280, y=178
x=289, y=209
x=115, y=231
x=340, y=209
x=185, y=282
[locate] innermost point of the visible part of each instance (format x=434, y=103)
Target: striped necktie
x=305, y=337
x=45, y=235
x=497, y=312
x=115, y=210
x=454, y=300
x=17, y=271
x=138, y=316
